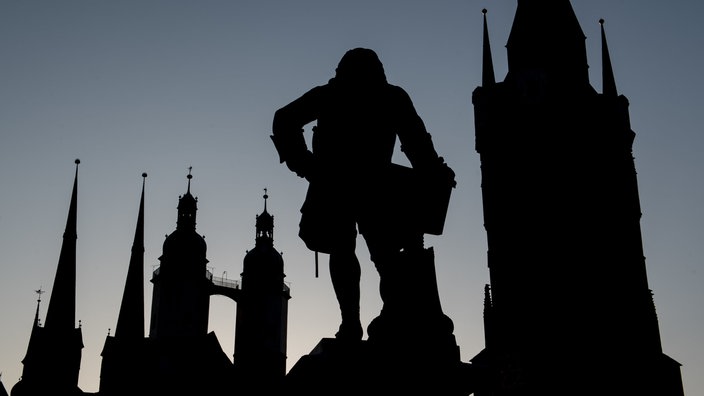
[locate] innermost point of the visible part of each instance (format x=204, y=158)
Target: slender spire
x=130, y=322
x=487, y=298
x=61, y=314
x=189, y=177
x=39, y=300
x=487, y=62
x=607, y=72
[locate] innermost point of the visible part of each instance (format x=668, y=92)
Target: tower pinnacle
x=487, y=62
x=187, y=207
x=265, y=224
x=547, y=44
x=607, y=72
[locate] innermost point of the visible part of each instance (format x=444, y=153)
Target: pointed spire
x=607, y=72
x=265, y=224
x=189, y=177
x=130, y=322
x=487, y=62
x=487, y=297
x=61, y=314
x=39, y=300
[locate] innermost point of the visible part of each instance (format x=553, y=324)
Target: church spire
x=487, y=62
x=607, y=72
x=39, y=300
x=61, y=314
x=130, y=322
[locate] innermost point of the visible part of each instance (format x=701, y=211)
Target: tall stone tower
x=181, y=296
x=183, y=357
x=568, y=310
x=53, y=358
x=262, y=312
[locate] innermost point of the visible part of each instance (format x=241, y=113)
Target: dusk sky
x=158, y=86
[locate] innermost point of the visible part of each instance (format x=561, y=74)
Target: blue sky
x=157, y=86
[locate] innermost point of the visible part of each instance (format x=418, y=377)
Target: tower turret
x=546, y=48
x=187, y=207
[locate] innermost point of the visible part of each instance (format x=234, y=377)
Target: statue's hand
x=302, y=164
x=448, y=173
x=439, y=170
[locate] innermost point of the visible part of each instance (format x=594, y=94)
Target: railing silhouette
x=222, y=281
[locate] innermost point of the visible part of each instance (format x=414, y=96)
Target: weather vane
x=39, y=293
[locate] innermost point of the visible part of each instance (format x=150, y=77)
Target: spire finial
x=189, y=177
x=264, y=224
x=488, y=77
x=39, y=300
x=39, y=294
x=607, y=72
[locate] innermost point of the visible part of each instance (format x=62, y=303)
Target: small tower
x=53, y=358
x=262, y=310
x=182, y=356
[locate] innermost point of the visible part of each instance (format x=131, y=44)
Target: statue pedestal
x=362, y=368
x=411, y=349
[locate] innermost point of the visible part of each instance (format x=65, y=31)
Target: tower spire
x=39, y=300
x=265, y=225
x=487, y=62
x=187, y=207
x=607, y=72
x=130, y=322
x=61, y=314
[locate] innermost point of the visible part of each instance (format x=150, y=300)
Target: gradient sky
x=157, y=86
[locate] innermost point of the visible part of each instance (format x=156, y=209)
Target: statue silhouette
x=353, y=184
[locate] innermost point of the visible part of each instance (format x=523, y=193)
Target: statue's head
x=360, y=66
